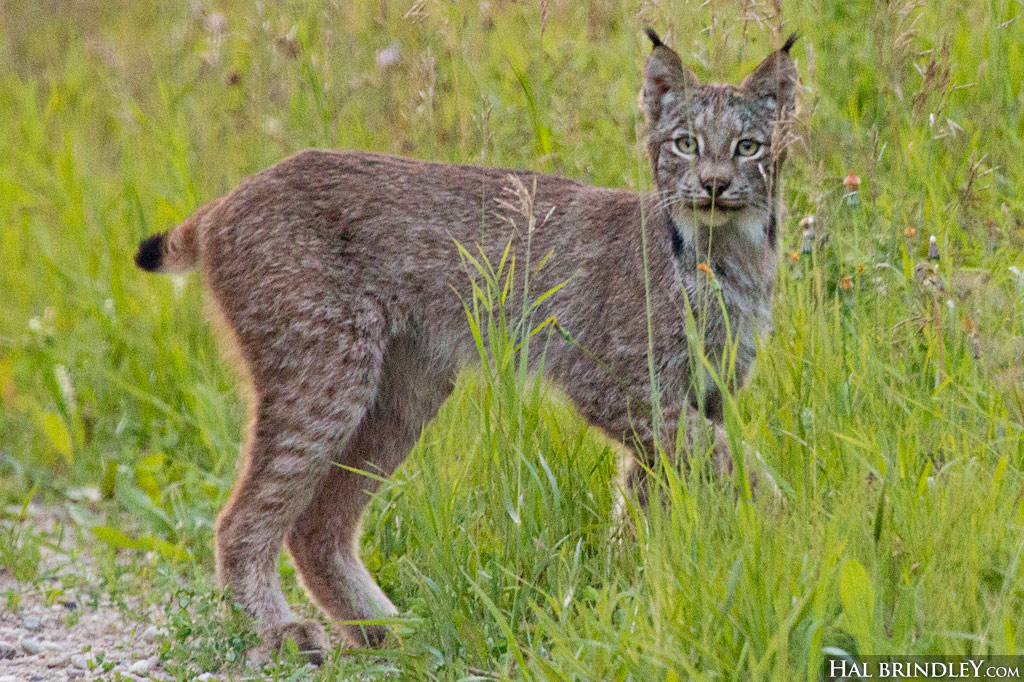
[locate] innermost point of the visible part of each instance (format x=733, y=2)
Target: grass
x=888, y=400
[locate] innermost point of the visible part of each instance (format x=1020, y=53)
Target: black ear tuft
x=654, y=37
x=790, y=41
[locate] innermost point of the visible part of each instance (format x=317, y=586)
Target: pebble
x=32, y=622
x=8, y=678
x=31, y=646
x=153, y=633
x=58, y=662
x=140, y=667
x=7, y=650
x=205, y=677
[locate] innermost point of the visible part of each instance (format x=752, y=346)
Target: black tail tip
x=791, y=41
x=654, y=37
x=150, y=253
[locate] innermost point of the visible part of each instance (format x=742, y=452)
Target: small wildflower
x=852, y=185
x=860, y=268
x=807, y=237
x=389, y=56
x=846, y=284
x=933, y=248
x=794, y=256
x=994, y=233
x=910, y=232
x=973, y=340
x=703, y=267
x=927, y=275
x=273, y=126
x=46, y=324
x=216, y=24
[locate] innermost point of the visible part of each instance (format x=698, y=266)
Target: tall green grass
x=889, y=405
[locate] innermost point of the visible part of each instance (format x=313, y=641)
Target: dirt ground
x=50, y=633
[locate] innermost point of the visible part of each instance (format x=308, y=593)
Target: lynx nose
x=715, y=185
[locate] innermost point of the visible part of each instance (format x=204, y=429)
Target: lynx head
x=711, y=144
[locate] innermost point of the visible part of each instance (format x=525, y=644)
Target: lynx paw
x=762, y=484
x=308, y=635
x=372, y=636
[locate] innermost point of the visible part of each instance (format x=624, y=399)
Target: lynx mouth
x=715, y=213
x=710, y=206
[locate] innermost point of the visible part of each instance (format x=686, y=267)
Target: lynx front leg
x=701, y=434
x=325, y=539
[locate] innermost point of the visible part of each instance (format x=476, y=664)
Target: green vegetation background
x=889, y=405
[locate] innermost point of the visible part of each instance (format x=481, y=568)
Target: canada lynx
x=339, y=278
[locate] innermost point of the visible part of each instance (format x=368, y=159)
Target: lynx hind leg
x=312, y=395
x=324, y=541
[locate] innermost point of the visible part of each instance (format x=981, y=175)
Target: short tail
x=176, y=250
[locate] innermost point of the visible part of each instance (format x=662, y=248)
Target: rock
x=205, y=677
x=7, y=650
x=153, y=633
x=141, y=667
x=8, y=678
x=31, y=646
x=80, y=662
x=32, y=622
x=58, y=662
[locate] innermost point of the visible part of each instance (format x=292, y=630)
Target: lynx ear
x=775, y=78
x=664, y=74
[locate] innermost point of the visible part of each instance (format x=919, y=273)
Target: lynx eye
x=747, y=147
x=686, y=144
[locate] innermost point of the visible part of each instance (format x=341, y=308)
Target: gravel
x=43, y=641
